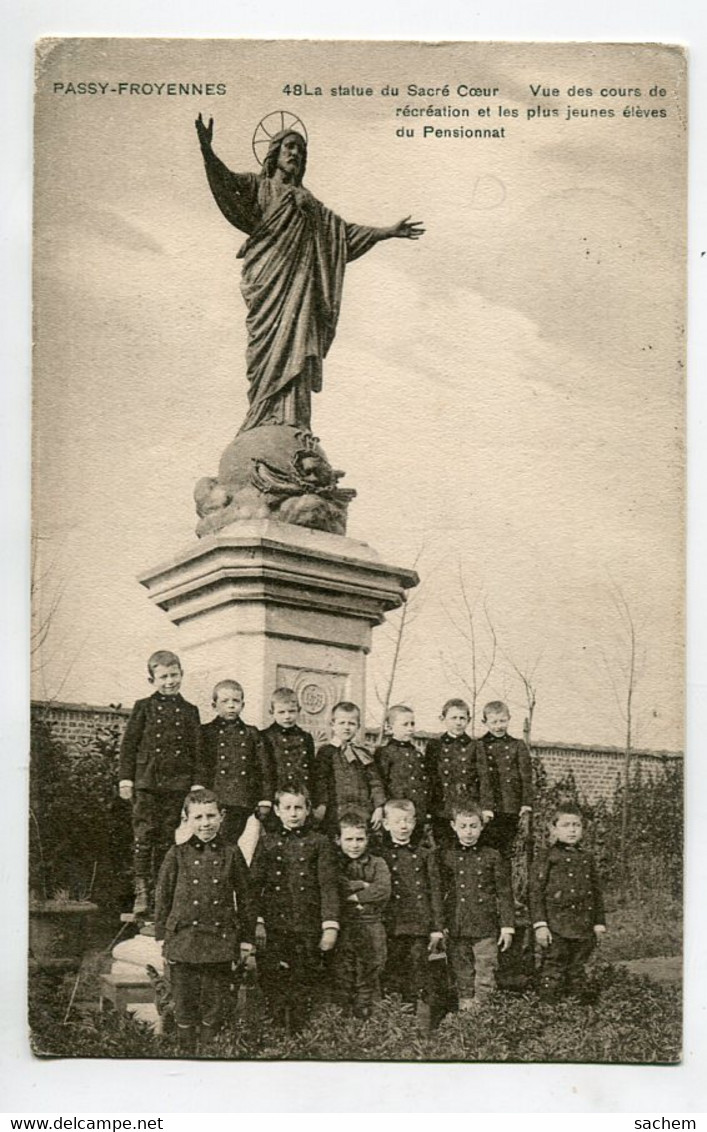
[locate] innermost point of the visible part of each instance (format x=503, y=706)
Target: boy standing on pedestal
x=158, y=760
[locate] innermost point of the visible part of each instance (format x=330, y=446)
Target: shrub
x=79, y=829
x=655, y=831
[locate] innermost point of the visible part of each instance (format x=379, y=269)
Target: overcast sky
x=505, y=394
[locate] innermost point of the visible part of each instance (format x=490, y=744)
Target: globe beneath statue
x=274, y=471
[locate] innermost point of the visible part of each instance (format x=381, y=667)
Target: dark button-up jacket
x=195, y=911
x=161, y=745
x=415, y=906
x=565, y=892
x=511, y=773
x=291, y=754
x=346, y=778
x=459, y=773
x=234, y=762
x=368, y=878
x=476, y=889
x=295, y=880
x=406, y=773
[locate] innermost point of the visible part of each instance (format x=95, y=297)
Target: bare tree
x=623, y=669
x=46, y=595
x=474, y=623
x=387, y=696
x=48, y=586
x=406, y=616
x=526, y=675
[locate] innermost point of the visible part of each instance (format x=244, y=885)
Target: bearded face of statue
x=287, y=152
x=290, y=158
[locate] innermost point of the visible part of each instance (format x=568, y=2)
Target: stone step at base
x=145, y=927
x=136, y=971
x=124, y=991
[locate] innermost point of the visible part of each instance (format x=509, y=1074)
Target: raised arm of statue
x=205, y=132
x=236, y=194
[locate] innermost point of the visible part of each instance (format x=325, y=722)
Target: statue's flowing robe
x=293, y=273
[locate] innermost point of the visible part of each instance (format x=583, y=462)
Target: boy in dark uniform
x=405, y=769
x=201, y=884
x=414, y=917
x=511, y=777
x=234, y=762
x=360, y=955
x=566, y=907
x=295, y=885
x=159, y=756
x=346, y=777
x=290, y=749
x=459, y=770
x=478, y=907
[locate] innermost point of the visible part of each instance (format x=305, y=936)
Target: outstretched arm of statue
x=360, y=240
x=405, y=229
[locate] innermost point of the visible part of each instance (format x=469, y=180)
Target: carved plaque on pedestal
x=317, y=693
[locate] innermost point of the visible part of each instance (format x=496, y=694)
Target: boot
x=142, y=858
x=141, y=904
x=207, y=1035
x=423, y=1020
x=186, y=1040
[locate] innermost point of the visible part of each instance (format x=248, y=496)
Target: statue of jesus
x=293, y=273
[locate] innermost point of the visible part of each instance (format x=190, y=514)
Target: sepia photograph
x=358, y=551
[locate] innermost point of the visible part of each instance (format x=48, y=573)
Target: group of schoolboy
x=367, y=867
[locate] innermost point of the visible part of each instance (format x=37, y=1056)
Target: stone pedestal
x=128, y=986
x=271, y=604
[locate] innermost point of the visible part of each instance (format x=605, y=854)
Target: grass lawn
x=633, y=1021
x=643, y=929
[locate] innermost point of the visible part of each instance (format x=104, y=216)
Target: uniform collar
x=399, y=845
x=468, y=848
x=407, y=744
x=415, y=842
x=463, y=738
x=162, y=699
x=489, y=738
x=214, y=844
x=280, y=730
x=362, y=860
x=238, y=722
x=299, y=832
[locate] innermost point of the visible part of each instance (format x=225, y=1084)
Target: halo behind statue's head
x=271, y=132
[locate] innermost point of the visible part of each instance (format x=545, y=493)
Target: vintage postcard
x=358, y=553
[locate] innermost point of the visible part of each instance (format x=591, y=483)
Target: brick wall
x=596, y=769
x=76, y=724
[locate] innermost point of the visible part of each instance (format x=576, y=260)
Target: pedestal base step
x=125, y=990
x=144, y=927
